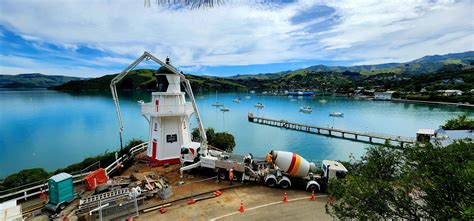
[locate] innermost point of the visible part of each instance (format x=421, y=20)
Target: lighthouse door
x=153, y=153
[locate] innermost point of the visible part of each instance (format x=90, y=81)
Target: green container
x=60, y=189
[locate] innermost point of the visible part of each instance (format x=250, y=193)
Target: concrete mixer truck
x=279, y=168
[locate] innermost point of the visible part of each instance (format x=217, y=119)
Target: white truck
x=279, y=168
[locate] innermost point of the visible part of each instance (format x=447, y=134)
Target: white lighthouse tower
x=168, y=114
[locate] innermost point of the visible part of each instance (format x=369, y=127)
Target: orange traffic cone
x=162, y=210
x=312, y=196
x=241, y=209
x=285, y=199
x=191, y=201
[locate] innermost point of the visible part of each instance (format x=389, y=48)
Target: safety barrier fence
x=36, y=188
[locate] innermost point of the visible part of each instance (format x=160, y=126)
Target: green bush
x=461, y=122
x=222, y=140
x=418, y=182
x=25, y=177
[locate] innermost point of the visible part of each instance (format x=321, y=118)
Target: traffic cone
x=285, y=199
x=162, y=210
x=241, y=209
x=312, y=196
x=191, y=201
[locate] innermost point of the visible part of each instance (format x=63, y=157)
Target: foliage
x=144, y=79
x=422, y=181
x=461, y=122
x=24, y=177
x=221, y=140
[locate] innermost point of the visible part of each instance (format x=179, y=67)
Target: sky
x=91, y=38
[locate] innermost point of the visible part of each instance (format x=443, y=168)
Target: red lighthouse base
x=156, y=162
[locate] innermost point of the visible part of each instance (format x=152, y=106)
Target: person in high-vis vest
x=231, y=176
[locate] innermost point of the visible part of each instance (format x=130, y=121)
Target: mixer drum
x=291, y=163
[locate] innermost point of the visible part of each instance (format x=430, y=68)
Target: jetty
x=332, y=132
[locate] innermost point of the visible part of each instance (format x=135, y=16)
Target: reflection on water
x=51, y=129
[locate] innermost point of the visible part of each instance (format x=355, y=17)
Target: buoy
x=312, y=196
x=241, y=209
x=285, y=199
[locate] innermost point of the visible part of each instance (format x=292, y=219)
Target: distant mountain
x=33, y=80
x=427, y=64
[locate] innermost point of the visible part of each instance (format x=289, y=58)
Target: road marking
x=265, y=205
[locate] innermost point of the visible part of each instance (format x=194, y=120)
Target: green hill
x=143, y=79
x=34, y=80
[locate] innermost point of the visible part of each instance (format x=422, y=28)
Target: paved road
x=261, y=203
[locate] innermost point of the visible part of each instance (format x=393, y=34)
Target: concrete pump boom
x=187, y=88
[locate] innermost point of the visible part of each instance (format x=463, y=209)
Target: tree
x=222, y=140
x=461, y=122
x=422, y=181
x=25, y=177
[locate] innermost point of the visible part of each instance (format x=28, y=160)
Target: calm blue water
x=53, y=129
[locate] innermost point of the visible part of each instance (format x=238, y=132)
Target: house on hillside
x=450, y=92
x=387, y=95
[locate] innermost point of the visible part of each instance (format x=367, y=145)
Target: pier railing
x=36, y=188
x=329, y=131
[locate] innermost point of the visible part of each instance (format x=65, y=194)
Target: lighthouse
x=168, y=114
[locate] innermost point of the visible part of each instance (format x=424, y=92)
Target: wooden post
x=370, y=139
x=342, y=134
x=355, y=136
x=329, y=132
x=319, y=131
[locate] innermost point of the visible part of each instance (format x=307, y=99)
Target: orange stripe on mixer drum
x=297, y=165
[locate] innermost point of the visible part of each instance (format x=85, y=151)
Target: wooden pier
x=332, y=132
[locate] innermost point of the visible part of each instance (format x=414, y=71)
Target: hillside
x=426, y=64
x=34, y=80
x=143, y=79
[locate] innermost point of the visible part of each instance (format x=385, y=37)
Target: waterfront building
x=387, y=95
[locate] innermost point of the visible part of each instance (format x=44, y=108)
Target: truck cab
x=190, y=153
x=333, y=169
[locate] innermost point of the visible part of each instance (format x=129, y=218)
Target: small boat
x=306, y=109
x=336, y=114
x=259, y=105
x=252, y=92
x=225, y=109
x=247, y=97
x=236, y=100
x=322, y=101
x=217, y=104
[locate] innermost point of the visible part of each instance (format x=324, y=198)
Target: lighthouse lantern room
x=168, y=114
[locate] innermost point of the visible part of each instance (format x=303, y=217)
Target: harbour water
x=50, y=129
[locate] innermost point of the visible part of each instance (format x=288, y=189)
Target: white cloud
x=242, y=33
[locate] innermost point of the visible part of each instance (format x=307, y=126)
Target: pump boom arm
x=187, y=87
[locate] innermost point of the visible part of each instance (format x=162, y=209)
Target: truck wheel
x=312, y=188
x=62, y=207
x=284, y=184
x=222, y=175
x=271, y=182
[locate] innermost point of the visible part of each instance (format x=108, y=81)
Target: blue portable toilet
x=61, y=191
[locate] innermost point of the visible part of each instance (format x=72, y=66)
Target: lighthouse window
x=171, y=138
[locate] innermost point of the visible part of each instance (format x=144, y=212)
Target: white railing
x=25, y=193
x=109, y=169
x=170, y=110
